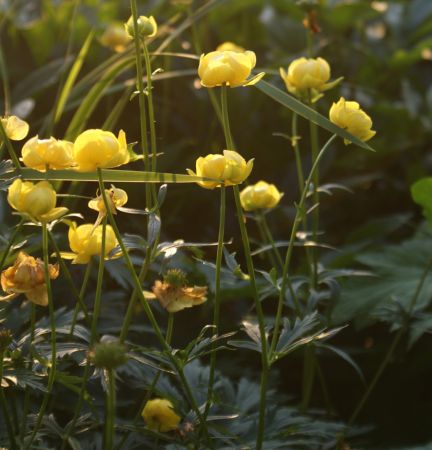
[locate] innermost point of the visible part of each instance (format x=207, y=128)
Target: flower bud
x=351, y=117
x=115, y=37
x=227, y=67
x=230, y=46
x=36, y=200
x=230, y=167
x=98, y=148
x=85, y=241
x=147, y=27
x=159, y=415
x=108, y=355
x=40, y=153
x=15, y=128
x=260, y=196
x=27, y=276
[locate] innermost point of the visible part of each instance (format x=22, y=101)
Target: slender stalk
x=98, y=294
x=299, y=165
x=141, y=97
x=5, y=82
x=261, y=324
x=81, y=295
x=268, y=237
x=297, y=220
x=225, y=118
x=5, y=409
x=110, y=411
x=52, y=370
x=10, y=149
x=149, y=312
x=393, y=346
x=217, y=297
x=308, y=376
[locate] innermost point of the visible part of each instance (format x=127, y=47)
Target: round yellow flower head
x=229, y=167
x=15, y=128
x=85, y=241
x=115, y=37
x=306, y=73
x=260, y=196
x=230, y=46
x=35, y=200
x=147, y=26
x=351, y=117
x=227, y=67
x=27, y=276
x=39, y=153
x=116, y=198
x=99, y=148
x=159, y=415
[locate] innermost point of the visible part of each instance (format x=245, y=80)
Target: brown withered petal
x=175, y=298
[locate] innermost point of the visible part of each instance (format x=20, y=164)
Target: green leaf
x=421, y=192
x=308, y=113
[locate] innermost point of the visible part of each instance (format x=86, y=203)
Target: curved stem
x=217, y=297
x=297, y=220
x=52, y=370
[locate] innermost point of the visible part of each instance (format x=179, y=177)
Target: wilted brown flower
x=27, y=276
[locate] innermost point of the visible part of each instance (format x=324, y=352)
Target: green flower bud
x=147, y=26
x=108, y=355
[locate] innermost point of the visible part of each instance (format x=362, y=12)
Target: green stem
x=268, y=237
x=148, y=310
x=225, y=118
x=110, y=411
x=297, y=220
x=308, y=377
x=11, y=151
x=261, y=324
x=294, y=143
x=5, y=409
x=217, y=297
x=52, y=370
x=98, y=294
x=393, y=346
x=81, y=295
x=5, y=82
x=141, y=97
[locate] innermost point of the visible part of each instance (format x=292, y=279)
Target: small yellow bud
x=115, y=37
x=36, y=200
x=99, y=148
x=147, y=26
x=27, y=276
x=351, y=117
x=39, y=153
x=227, y=67
x=16, y=129
x=116, y=198
x=260, y=196
x=85, y=241
x=159, y=415
x=229, y=167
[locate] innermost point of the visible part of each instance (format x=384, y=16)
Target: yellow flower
x=99, y=148
x=116, y=198
x=173, y=293
x=259, y=196
x=115, y=37
x=85, y=241
x=159, y=415
x=351, y=117
x=39, y=153
x=27, y=276
x=229, y=167
x=15, y=128
x=230, y=46
x=147, y=26
x=227, y=67
x=36, y=200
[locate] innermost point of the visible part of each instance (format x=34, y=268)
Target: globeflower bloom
x=16, y=129
x=230, y=46
x=40, y=153
x=27, y=276
x=116, y=198
x=351, y=117
x=147, y=26
x=260, y=196
x=115, y=37
x=85, y=241
x=173, y=293
x=35, y=200
x=159, y=415
x=227, y=67
x=308, y=74
x=98, y=148
x=230, y=167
